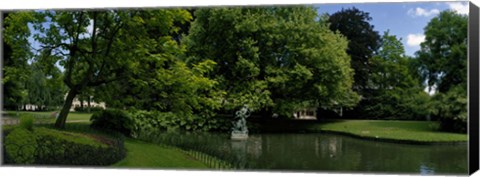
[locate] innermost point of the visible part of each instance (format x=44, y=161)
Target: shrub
x=20, y=146
x=112, y=119
x=58, y=151
x=148, y=121
x=51, y=147
x=26, y=121
x=451, y=110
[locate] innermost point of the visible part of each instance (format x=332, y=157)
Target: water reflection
x=326, y=152
x=425, y=170
x=340, y=153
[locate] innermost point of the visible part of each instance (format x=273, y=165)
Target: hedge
x=37, y=147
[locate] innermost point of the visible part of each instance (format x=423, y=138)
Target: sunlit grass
x=424, y=131
x=146, y=155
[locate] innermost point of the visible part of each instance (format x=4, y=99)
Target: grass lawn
x=423, y=131
x=417, y=131
x=145, y=155
x=72, y=116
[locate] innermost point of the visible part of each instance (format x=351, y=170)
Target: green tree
x=16, y=53
x=275, y=59
x=363, y=42
x=101, y=47
x=395, y=92
x=172, y=87
x=443, y=54
x=442, y=62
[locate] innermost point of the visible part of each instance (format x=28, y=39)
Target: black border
x=473, y=88
x=1, y=87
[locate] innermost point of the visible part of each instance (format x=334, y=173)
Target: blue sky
x=405, y=20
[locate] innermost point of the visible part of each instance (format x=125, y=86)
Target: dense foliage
x=154, y=121
x=136, y=122
x=395, y=92
x=364, y=41
x=273, y=59
x=112, y=119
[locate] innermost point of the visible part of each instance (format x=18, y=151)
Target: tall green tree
x=16, y=53
x=443, y=54
x=442, y=63
x=396, y=92
x=363, y=42
x=101, y=47
x=275, y=59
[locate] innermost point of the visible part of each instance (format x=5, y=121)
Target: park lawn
x=146, y=155
x=72, y=116
x=423, y=131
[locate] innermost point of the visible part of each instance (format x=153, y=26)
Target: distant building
x=308, y=113
x=77, y=103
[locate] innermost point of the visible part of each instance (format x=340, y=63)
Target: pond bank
x=407, y=132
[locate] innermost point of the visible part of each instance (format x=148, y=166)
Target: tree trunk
x=89, y=105
x=62, y=117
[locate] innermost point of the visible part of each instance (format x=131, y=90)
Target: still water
x=337, y=153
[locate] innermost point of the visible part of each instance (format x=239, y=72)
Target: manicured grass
x=413, y=131
x=423, y=131
x=72, y=116
x=145, y=155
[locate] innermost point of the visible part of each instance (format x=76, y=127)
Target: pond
x=336, y=153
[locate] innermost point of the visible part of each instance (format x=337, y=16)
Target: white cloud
x=414, y=40
x=459, y=7
x=422, y=12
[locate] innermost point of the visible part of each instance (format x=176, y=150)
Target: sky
x=406, y=20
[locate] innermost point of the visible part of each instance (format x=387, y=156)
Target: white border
x=89, y=4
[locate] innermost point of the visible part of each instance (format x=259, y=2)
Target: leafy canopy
x=277, y=58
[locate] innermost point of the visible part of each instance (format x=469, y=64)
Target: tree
x=363, y=42
x=443, y=54
x=276, y=59
x=44, y=90
x=395, y=91
x=442, y=62
x=173, y=87
x=101, y=47
x=16, y=53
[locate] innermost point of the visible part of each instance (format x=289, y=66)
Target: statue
x=239, y=129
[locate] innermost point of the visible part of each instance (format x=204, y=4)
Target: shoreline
x=398, y=141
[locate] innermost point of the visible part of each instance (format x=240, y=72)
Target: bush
x=57, y=151
x=112, y=119
x=451, y=110
x=26, y=121
x=151, y=121
x=20, y=146
x=51, y=147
